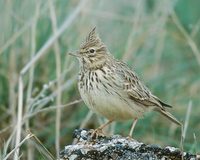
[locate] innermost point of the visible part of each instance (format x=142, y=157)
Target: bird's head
x=92, y=53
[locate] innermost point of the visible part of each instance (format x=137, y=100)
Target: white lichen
x=171, y=149
x=73, y=157
x=83, y=133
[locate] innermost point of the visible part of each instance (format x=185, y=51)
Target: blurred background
x=38, y=80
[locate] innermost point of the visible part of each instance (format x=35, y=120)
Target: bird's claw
x=96, y=133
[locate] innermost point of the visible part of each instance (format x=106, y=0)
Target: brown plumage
x=110, y=88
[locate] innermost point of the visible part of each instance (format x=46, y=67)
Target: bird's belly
x=114, y=108
x=111, y=106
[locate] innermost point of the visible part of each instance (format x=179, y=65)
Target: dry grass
x=159, y=39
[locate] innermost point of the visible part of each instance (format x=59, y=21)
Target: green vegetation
x=158, y=39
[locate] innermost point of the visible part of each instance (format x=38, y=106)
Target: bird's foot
x=130, y=137
x=97, y=133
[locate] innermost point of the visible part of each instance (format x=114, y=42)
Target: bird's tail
x=169, y=116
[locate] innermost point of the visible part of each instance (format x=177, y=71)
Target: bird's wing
x=139, y=93
x=135, y=89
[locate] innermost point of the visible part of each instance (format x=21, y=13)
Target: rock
x=117, y=147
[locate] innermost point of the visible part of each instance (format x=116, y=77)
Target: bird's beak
x=76, y=54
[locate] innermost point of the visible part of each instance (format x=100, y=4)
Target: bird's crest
x=91, y=39
x=92, y=36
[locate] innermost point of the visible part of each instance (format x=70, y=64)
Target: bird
x=110, y=88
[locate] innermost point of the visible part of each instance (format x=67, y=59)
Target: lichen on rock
x=117, y=147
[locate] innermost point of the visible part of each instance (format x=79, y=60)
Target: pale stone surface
x=117, y=147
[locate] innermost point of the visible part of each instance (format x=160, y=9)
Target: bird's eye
x=92, y=50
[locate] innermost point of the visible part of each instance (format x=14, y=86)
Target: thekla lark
x=110, y=88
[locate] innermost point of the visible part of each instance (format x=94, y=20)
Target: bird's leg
x=132, y=127
x=99, y=129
